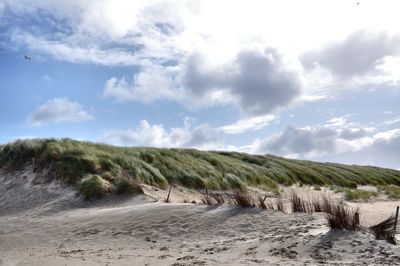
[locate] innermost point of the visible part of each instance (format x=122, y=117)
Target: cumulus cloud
x=385, y=149
x=257, y=81
x=345, y=143
x=314, y=142
x=382, y=150
x=359, y=54
x=59, y=110
x=202, y=137
x=151, y=84
x=299, y=141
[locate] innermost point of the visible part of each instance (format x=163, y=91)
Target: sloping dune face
x=23, y=190
x=47, y=224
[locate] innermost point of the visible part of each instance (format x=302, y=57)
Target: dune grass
x=342, y=217
x=300, y=205
x=71, y=161
x=384, y=230
x=126, y=186
x=244, y=200
x=93, y=186
x=359, y=194
x=392, y=191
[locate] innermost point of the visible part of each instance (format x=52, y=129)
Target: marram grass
x=72, y=161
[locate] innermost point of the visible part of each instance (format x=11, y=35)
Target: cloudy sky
x=316, y=80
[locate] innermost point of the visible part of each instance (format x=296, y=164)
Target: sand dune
x=48, y=224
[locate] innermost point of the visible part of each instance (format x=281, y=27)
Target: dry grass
x=384, y=230
x=300, y=205
x=261, y=202
x=342, y=217
x=265, y=203
x=338, y=216
x=269, y=204
x=208, y=200
x=243, y=199
x=280, y=206
x=323, y=204
x=218, y=198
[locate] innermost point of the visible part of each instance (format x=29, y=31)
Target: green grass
x=71, y=161
x=392, y=191
x=359, y=194
x=125, y=186
x=93, y=186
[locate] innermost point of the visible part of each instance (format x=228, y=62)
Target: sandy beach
x=48, y=224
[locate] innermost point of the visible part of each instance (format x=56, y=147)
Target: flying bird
x=27, y=58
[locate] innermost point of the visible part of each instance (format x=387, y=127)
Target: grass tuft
x=125, y=186
x=280, y=206
x=359, y=194
x=243, y=199
x=208, y=200
x=93, y=186
x=384, y=230
x=392, y=191
x=299, y=205
x=342, y=217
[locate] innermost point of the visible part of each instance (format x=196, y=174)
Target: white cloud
x=334, y=144
x=64, y=51
x=258, y=82
x=201, y=137
x=393, y=121
x=59, y=110
x=336, y=122
x=357, y=55
x=382, y=151
x=248, y=124
x=151, y=84
x=153, y=34
x=255, y=81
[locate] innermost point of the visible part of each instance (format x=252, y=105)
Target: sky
x=315, y=80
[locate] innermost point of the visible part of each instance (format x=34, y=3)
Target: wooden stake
x=169, y=192
x=265, y=197
x=357, y=218
x=397, y=216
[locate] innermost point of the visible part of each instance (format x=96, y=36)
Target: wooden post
x=397, y=216
x=265, y=197
x=33, y=163
x=169, y=192
x=207, y=193
x=357, y=218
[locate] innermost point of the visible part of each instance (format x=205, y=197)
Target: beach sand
x=45, y=223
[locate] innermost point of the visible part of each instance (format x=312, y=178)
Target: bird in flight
x=27, y=58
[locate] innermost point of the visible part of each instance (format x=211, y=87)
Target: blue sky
x=315, y=80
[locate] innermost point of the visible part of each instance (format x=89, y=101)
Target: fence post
x=357, y=219
x=397, y=216
x=169, y=192
x=265, y=197
x=33, y=162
